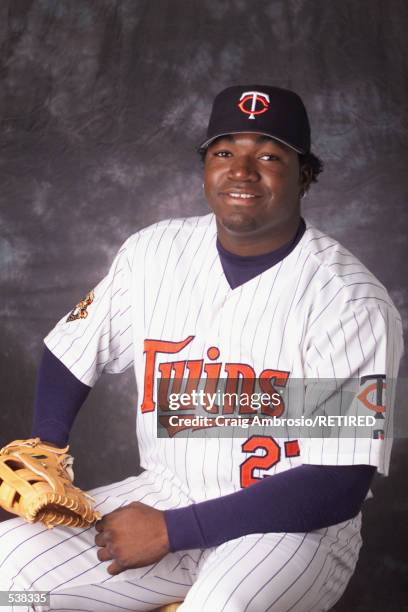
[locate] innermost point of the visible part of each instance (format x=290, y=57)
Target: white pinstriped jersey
x=317, y=314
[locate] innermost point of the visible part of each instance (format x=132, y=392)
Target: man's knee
x=20, y=548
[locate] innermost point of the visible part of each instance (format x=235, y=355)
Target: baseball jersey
x=166, y=309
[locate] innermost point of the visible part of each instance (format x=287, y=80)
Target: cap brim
x=207, y=142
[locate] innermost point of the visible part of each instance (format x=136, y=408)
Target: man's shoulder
x=171, y=228
x=329, y=252
x=341, y=273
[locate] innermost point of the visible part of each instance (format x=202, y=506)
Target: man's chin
x=239, y=223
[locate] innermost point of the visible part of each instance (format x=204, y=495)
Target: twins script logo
x=254, y=103
x=192, y=371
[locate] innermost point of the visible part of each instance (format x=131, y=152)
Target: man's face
x=252, y=184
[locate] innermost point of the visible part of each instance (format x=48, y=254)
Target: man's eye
x=269, y=157
x=222, y=153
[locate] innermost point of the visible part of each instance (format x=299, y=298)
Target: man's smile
x=239, y=195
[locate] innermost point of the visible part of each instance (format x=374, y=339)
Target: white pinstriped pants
x=274, y=572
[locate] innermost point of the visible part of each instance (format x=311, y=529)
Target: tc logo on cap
x=253, y=103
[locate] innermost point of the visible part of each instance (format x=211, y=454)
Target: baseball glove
x=36, y=484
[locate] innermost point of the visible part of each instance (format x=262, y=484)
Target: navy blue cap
x=260, y=109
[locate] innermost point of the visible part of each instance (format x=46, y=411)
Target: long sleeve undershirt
x=302, y=499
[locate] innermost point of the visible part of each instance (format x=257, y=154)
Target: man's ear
x=305, y=178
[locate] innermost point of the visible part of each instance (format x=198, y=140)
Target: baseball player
x=253, y=296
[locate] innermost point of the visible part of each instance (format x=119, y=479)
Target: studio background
x=102, y=105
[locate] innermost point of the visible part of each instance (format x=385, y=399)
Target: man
x=249, y=293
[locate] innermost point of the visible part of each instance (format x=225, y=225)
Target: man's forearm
x=299, y=500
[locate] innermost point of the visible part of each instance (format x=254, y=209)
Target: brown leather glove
x=36, y=484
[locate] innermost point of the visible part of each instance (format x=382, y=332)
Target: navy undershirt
x=240, y=269
x=302, y=499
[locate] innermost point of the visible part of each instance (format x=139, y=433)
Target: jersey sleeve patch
x=81, y=309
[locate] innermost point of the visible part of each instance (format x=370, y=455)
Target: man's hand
x=132, y=536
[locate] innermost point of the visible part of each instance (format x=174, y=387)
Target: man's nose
x=242, y=168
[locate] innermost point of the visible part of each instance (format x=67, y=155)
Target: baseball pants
x=276, y=572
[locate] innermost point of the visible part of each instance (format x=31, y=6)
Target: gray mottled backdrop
x=102, y=104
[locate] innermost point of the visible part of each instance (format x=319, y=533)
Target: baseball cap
x=260, y=109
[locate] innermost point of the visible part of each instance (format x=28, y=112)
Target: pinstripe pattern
x=234, y=576
x=318, y=314
x=277, y=572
